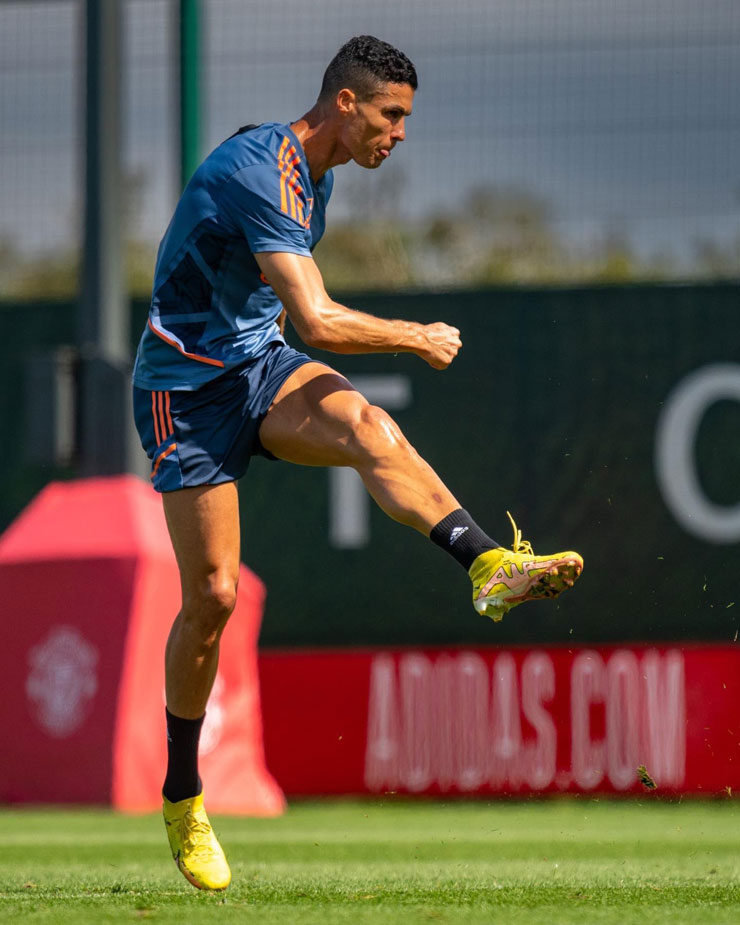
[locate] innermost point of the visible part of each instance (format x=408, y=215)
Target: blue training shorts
x=207, y=436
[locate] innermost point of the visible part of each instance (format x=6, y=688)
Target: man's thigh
x=204, y=528
x=312, y=418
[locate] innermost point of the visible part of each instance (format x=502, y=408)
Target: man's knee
x=208, y=604
x=377, y=435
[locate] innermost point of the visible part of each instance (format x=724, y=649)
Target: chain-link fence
x=552, y=140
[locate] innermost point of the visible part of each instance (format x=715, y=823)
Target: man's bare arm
x=322, y=322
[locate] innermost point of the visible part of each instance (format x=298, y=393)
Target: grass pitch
x=577, y=860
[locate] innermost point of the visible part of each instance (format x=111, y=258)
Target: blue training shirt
x=211, y=308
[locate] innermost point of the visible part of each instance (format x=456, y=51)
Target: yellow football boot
x=504, y=578
x=195, y=848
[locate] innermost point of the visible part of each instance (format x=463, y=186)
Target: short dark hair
x=363, y=64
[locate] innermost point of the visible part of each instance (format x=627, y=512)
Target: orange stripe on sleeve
x=295, y=182
x=283, y=195
x=290, y=188
x=283, y=173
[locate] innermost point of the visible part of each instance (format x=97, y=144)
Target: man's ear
x=346, y=101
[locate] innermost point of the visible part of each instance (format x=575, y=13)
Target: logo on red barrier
x=62, y=680
x=462, y=722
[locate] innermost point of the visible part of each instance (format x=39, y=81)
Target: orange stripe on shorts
x=162, y=456
x=162, y=424
x=157, y=435
x=170, y=425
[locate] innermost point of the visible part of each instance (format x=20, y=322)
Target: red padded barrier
x=503, y=721
x=89, y=587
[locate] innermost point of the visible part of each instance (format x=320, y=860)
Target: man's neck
x=317, y=133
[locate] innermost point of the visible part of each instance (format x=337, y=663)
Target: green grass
x=578, y=860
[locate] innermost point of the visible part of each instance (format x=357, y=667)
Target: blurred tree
x=367, y=256
x=45, y=275
x=717, y=261
x=497, y=236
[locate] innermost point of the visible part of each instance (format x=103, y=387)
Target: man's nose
x=399, y=132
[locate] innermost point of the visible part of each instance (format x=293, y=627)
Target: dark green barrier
x=550, y=411
x=25, y=329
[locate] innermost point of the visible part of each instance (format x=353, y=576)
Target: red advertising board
x=490, y=721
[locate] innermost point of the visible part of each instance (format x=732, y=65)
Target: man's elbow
x=323, y=342
x=317, y=332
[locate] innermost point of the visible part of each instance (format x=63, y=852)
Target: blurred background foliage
x=552, y=141
x=496, y=237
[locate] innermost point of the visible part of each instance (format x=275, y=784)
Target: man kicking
x=215, y=383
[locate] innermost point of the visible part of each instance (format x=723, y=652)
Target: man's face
x=373, y=128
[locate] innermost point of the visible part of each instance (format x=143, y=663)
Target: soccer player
x=215, y=383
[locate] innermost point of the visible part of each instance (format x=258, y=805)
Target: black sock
x=461, y=537
x=182, y=781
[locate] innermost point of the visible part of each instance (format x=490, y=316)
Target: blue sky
x=624, y=115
